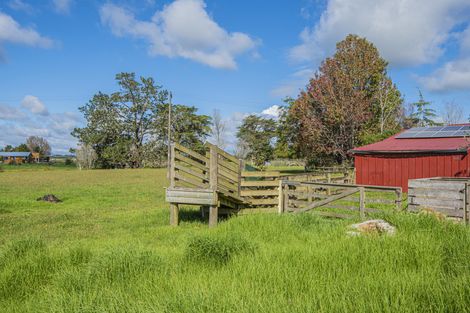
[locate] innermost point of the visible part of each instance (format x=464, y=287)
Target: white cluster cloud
x=62, y=6
x=20, y=5
x=11, y=31
x=8, y=112
x=453, y=75
x=181, y=29
x=32, y=118
x=272, y=112
x=407, y=32
x=35, y=105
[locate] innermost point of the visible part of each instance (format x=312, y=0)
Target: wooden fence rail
x=342, y=200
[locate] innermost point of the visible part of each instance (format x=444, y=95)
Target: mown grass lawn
x=108, y=248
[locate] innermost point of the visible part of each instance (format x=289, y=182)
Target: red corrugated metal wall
x=395, y=170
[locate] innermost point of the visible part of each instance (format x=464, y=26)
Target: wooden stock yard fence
x=217, y=182
x=338, y=200
x=449, y=196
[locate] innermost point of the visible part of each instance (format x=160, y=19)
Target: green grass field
x=108, y=248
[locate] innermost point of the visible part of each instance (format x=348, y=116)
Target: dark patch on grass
x=4, y=211
x=49, y=198
x=218, y=248
x=25, y=266
x=124, y=265
x=19, y=249
x=79, y=256
x=188, y=215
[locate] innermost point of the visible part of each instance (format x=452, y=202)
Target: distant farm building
x=22, y=157
x=421, y=152
x=16, y=157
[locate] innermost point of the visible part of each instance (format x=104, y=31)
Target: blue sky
x=236, y=56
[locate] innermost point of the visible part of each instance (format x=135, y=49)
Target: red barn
x=420, y=152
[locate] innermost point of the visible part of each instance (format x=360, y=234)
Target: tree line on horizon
x=350, y=101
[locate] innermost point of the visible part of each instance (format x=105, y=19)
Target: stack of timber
x=449, y=196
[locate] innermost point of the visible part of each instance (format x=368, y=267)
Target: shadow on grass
x=193, y=215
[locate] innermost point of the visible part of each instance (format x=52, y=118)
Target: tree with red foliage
x=344, y=103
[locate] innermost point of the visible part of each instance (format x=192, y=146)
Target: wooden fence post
x=174, y=208
x=362, y=202
x=213, y=173
x=398, y=202
x=328, y=180
x=241, y=165
x=465, y=204
x=309, y=193
x=281, y=197
x=285, y=196
x=174, y=214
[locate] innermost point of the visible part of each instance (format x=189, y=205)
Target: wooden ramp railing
x=211, y=181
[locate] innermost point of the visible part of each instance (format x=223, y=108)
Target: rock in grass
x=49, y=198
x=377, y=227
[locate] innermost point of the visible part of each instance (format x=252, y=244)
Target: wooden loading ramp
x=216, y=181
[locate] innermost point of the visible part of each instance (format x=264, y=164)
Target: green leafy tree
x=21, y=148
x=423, y=115
x=287, y=127
x=8, y=148
x=129, y=127
x=349, y=99
x=105, y=132
x=119, y=124
x=258, y=134
x=187, y=128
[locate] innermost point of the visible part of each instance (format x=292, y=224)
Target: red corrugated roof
x=394, y=145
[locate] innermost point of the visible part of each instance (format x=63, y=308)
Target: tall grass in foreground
x=259, y=263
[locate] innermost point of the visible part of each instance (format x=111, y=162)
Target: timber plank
x=446, y=211
x=260, y=174
x=435, y=184
x=436, y=193
x=195, y=201
x=259, y=183
x=192, y=172
x=263, y=201
x=247, y=193
x=230, y=166
x=192, y=153
x=189, y=180
x=187, y=160
x=230, y=175
x=437, y=202
x=228, y=185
